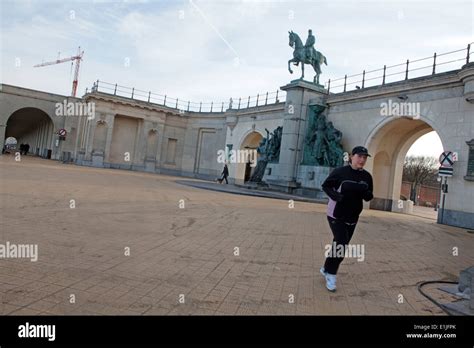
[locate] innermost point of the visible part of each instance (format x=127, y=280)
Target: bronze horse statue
x=300, y=56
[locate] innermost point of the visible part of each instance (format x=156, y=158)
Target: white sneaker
x=323, y=271
x=330, y=282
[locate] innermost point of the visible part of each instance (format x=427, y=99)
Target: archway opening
x=251, y=142
x=32, y=127
x=10, y=145
x=389, y=147
x=420, y=180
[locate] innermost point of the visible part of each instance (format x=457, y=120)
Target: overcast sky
x=213, y=50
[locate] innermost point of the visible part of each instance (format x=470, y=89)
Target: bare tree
x=419, y=170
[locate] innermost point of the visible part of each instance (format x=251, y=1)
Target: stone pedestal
x=313, y=176
x=300, y=94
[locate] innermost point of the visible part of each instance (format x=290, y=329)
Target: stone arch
x=389, y=143
x=33, y=126
x=388, y=120
x=250, y=141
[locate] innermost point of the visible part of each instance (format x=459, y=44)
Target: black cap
x=360, y=150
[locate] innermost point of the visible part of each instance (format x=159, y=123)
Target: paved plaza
x=125, y=242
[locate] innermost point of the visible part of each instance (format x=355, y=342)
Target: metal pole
x=188, y=105
x=444, y=197
x=406, y=71
x=363, y=79
x=133, y=91
x=345, y=80
x=384, y=69
x=266, y=99
x=329, y=85
x=434, y=64
x=468, y=50
x=149, y=94
x=115, y=91
x=238, y=108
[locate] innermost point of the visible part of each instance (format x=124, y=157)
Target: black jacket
x=346, y=187
x=225, y=172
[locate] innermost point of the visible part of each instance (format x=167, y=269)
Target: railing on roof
x=378, y=77
x=188, y=106
x=408, y=69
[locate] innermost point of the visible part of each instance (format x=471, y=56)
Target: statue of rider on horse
x=306, y=54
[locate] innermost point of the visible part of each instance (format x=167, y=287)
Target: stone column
x=90, y=140
x=3, y=128
x=110, y=118
x=150, y=149
x=300, y=94
x=467, y=76
x=138, y=159
x=161, y=132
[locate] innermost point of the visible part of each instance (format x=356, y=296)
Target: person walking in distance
x=225, y=174
x=346, y=187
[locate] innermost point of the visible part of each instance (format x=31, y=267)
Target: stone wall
x=160, y=139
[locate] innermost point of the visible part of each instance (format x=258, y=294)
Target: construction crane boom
x=56, y=61
x=77, y=58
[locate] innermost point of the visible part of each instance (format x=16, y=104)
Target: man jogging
x=346, y=187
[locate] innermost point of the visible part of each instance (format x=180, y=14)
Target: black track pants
x=342, y=233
